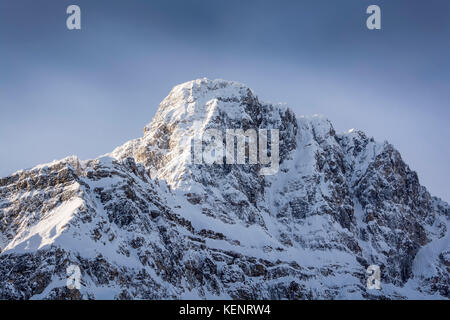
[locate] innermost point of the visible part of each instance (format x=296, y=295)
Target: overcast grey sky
x=85, y=92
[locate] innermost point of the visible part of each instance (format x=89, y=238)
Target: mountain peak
x=192, y=108
x=209, y=84
x=200, y=100
x=146, y=222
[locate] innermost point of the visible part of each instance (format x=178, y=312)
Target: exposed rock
x=146, y=222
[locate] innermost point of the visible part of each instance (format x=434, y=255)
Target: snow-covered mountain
x=147, y=222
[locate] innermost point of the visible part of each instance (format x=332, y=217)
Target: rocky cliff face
x=148, y=222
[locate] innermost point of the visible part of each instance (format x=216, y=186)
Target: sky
x=85, y=92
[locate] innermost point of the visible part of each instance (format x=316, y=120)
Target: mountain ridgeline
x=146, y=222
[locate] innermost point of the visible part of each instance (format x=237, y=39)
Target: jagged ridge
x=144, y=222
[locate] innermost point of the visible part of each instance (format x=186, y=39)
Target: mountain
x=148, y=222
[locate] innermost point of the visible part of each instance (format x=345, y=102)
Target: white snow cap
x=200, y=98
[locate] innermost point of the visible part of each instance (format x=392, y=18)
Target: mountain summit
x=147, y=221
